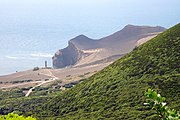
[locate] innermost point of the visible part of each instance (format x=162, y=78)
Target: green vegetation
x=20, y=81
x=16, y=81
x=157, y=102
x=12, y=116
x=48, y=89
x=42, y=91
x=116, y=92
x=81, y=76
x=11, y=94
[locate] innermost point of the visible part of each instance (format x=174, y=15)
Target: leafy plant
x=157, y=102
x=12, y=116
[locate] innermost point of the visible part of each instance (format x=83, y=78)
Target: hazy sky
x=144, y=12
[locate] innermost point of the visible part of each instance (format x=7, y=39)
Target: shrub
x=12, y=116
x=36, y=69
x=157, y=102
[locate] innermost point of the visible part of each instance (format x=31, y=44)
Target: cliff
x=67, y=56
x=122, y=42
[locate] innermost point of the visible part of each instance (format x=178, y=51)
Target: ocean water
x=25, y=44
x=32, y=31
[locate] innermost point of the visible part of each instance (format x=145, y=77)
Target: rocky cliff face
x=83, y=50
x=67, y=56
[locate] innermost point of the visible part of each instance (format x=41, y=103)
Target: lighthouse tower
x=45, y=64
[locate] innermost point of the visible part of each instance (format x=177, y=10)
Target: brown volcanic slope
x=83, y=51
x=37, y=77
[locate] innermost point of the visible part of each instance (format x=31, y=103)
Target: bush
x=36, y=69
x=12, y=116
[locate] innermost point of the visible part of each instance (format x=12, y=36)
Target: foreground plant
x=157, y=102
x=12, y=116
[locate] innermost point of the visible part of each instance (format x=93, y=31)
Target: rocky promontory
x=83, y=50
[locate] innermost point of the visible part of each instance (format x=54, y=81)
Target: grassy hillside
x=116, y=92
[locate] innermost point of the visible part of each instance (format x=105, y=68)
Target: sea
x=28, y=39
x=31, y=31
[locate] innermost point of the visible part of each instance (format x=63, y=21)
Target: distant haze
x=31, y=31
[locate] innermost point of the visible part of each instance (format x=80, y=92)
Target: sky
x=152, y=12
x=31, y=31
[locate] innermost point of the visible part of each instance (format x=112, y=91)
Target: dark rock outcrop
x=67, y=56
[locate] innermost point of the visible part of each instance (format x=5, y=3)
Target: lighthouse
x=45, y=64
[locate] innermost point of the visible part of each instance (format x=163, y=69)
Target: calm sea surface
x=26, y=45
x=31, y=31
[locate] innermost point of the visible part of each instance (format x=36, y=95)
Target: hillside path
x=50, y=74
